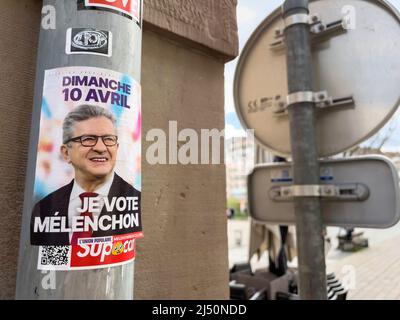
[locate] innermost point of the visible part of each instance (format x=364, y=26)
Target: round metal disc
x=362, y=62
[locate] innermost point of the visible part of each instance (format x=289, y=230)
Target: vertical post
x=69, y=21
x=309, y=228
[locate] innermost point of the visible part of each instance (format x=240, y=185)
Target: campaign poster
x=87, y=191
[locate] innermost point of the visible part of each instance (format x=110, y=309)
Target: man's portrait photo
x=97, y=202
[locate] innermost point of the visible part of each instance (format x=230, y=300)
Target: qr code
x=55, y=256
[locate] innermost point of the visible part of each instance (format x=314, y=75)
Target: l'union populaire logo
x=132, y=8
x=89, y=41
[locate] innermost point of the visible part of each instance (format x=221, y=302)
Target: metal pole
x=108, y=283
x=309, y=228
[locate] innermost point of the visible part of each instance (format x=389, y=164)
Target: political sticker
x=89, y=41
x=86, y=210
x=129, y=8
x=89, y=253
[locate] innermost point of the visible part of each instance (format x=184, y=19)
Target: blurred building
x=241, y=154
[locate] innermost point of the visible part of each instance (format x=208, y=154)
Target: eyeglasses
x=91, y=140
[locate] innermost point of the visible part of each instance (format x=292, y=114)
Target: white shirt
x=76, y=203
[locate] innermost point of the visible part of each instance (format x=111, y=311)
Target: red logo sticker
x=104, y=252
x=130, y=7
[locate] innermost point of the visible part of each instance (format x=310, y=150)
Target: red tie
x=84, y=234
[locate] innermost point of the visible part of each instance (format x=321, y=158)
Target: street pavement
x=369, y=274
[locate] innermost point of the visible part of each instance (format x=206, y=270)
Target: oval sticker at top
x=89, y=41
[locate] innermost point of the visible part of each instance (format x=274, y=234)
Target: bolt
x=277, y=32
x=315, y=18
x=321, y=97
x=321, y=28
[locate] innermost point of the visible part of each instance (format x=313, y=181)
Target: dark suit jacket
x=58, y=201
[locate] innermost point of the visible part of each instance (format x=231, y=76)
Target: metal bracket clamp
x=338, y=192
x=321, y=99
x=298, y=97
x=300, y=18
x=319, y=30
x=309, y=191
